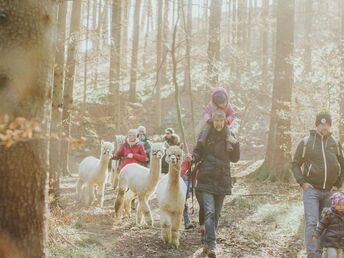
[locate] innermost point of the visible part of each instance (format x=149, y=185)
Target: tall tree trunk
x=88, y=7
x=115, y=61
x=136, y=36
x=124, y=38
x=278, y=154
x=26, y=28
x=214, y=41
x=57, y=103
x=341, y=103
x=308, y=37
x=69, y=83
x=187, y=64
x=175, y=82
x=99, y=34
x=206, y=14
x=165, y=40
x=264, y=38
x=145, y=46
x=158, y=64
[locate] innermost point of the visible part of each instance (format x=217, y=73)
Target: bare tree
x=341, y=95
x=308, y=37
x=214, y=41
x=175, y=81
x=25, y=66
x=278, y=153
x=158, y=64
x=115, y=60
x=69, y=83
x=134, y=51
x=88, y=10
x=57, y=102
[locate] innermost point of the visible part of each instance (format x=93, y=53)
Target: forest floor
x=260, y=219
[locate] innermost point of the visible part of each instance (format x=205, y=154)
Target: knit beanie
x=132, y=132
x=169, y=130
x=322, y=118
x=336, y=198
x=219, y=98
x=141, y=128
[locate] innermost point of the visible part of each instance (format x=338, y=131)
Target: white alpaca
x=142, y=182
x=171, y=195
x=93, y=171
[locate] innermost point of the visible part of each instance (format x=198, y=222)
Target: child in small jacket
x=219, y=100
x=331, y=226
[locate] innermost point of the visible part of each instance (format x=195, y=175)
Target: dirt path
x=258, y=220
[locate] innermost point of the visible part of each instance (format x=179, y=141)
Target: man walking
x=318, y=168
x=214, y=178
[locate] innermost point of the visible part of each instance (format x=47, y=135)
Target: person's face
x=219, y=123
x=324, y=129
x=221, y=105
x=168, y=135
x=141, y=133
x=340, y=207
x=131, y=137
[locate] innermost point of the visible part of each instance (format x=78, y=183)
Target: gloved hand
x=130, y=156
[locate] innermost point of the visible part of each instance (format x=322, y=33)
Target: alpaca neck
x=173, y=173
x=154, y=172
x=103, y=164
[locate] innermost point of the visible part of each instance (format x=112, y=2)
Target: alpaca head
x=174, y=156
x=107, y=149
x=158, y=150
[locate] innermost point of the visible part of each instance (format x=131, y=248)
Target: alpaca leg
x=114, y=179
x=101, y=194
x=165, y=224
x=138, y=214
x=127, y=206
x=146, y=210
x=90, y=193
x=119, y=202
x=79, y=190
x=176, y=220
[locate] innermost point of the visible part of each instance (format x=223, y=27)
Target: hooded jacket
x=320, y=162
x=214, y=171
x=139, y=154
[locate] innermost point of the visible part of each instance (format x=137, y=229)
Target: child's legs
x=331, y=252
x=204, y=133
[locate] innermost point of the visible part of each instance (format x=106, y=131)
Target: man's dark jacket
x=322, y=161
x=214, y=172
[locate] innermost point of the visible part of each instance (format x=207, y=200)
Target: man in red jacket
x=131, y=151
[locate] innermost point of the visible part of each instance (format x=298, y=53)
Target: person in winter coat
x=219, y=100
x=144, y=140
x=331, y=226
x=131, y=151
x=318, y=168
x=213, y=181
x=170, y=139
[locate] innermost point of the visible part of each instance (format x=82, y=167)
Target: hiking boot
x=189, y=226
x=211, y=253
x=205, y=249
x=202, y=228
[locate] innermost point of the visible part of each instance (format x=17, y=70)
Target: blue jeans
x=314, y=200
x=211, y=204
x=186, y=208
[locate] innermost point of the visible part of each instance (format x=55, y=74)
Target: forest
x=78, y=75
